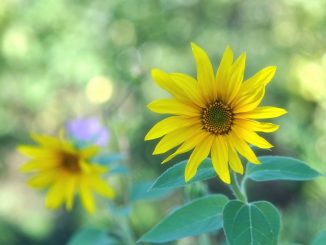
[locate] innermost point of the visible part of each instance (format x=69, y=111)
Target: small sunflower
x=64, y=170
x=214, y=114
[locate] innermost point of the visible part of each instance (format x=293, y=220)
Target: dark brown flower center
x=217, y=118
x=70, y=162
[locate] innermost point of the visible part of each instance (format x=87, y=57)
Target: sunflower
x=213, y=114
x=64, y=170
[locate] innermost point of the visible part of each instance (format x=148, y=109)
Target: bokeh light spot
x=99, y=90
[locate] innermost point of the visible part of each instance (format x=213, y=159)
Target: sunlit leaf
x=280, y=168
x=254, y=223
x=173, y=177
x=199, y=216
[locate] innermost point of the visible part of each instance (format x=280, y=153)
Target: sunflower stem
x=236, y=188
x=126, y=232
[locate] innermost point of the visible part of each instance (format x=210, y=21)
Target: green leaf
x=254, y=223
x=174, y=177
x=142, y=191
x=199, y=216
x=280, y=168
x=92, y=236
x=320, y=239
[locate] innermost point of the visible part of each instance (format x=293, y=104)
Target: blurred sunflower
x=213, y=114
x=64, y=170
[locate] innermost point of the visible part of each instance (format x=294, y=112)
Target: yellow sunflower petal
x=70, y=192
x=219, y=154
x=101, y=187
x=243, y=148
x=183, y=88
x=205, y=72
x=200, y=152
x=86, y=196
x=98, y=169
x=55, y=196
x=258, y=126
x=172, y=106
x=38, y=164
x=85, y=166
x=188, y=145
x=164, y=81
x=42, y=179
x=260, y=79
x=47, y=141
x=236, y=78
x=30, y=166
x=222, y=75
x=166, y=126
x=189, y=86
x=68, y=146
x=252, y=90
x=251, y=137
x=35, y=151
x=89, y=151
x=262, y=112
x=234, y=161
x=249, y=102
x=175, y=138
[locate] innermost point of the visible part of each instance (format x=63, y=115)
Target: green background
x=52, y=50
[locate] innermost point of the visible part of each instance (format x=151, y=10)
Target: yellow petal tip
x=193, y=45
x=20, y=148
x=227, y=181
x=147, y=137
x=150, y=106
x=257, y=162
x=155, y=72
x=188, y=177
x=228, y=49
x=155, y=152
x=273, y=68
x=166, y=160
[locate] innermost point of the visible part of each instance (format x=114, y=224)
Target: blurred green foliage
x=58, y=57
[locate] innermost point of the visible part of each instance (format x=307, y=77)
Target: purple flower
x=88, y=130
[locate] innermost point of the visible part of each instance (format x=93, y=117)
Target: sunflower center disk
x=217, y=118
x=70, y=162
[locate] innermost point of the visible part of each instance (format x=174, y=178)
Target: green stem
x=126, y=233
x=236, y=188
x=243, y=185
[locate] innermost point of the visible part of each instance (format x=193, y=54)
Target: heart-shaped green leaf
x=174, y=177
x=199, y=216
x=280, y=168
x=256, y=223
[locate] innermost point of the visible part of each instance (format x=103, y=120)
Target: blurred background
x=66, y=59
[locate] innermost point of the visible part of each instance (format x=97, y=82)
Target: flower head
x=214, y=114
x=65, y=170
x=88, y=130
